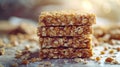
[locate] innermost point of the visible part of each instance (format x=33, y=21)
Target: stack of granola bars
x=65, y=34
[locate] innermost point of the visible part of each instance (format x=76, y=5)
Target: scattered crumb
x=14, y=65
x=85, y=62
x=115, y=62
x=65, y=61
x=27, y=47
x=25, y=62
x=109, y=59
x=48, y=63
x=14, y=43
x=40, y=65
x=9, y=46
x=118, y=49
x=2, y=51
x=105, y=48
x=92, y=58
x=97, y=58
x=77, y=60
x=111, y=51
x=102, y=52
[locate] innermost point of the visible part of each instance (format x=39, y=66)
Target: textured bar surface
x=65, y=53
x=69, y=42
x=61, y=18
x=65, y=31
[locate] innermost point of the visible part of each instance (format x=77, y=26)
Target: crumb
x=97, y=58
x=102, y=52
x=2, y=51
x=111, y=51
x=14, y=65
x=77, y=60
x=9, y=46
x=12, y=38
x=19, y=51
x=105, y=48
x=65, y=61
x=115, y=62
x=109, y=59
x=27, y=47
x=47, y=63
x=18, y=56
x=40, y=65
x=14, y=43
x=33, y=59
x=92, y=58
x=99, y=62
x=85, y=62
x=25, y=62
x=118, y=49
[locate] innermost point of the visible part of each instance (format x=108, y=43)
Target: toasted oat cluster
x=65, y=34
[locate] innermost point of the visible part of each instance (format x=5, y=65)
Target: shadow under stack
x=65, y=34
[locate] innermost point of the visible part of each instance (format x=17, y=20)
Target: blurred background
x=30, y=9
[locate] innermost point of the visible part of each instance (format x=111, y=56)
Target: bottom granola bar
x=65, y=53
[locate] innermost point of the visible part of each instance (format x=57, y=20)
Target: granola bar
x=61, y=18
x=65, y=53
x=65, y=42
x=64, y=31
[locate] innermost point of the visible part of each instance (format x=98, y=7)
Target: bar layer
x=65, y=53
x=61, y=18
x=64, y=31
x=65, y=42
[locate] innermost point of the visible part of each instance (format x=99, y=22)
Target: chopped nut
x=40, y=65
x=109, y=59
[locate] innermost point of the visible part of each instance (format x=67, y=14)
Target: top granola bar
x=63, y=18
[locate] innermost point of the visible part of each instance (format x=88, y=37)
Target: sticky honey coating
x=61, y=18
x=65, y=53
